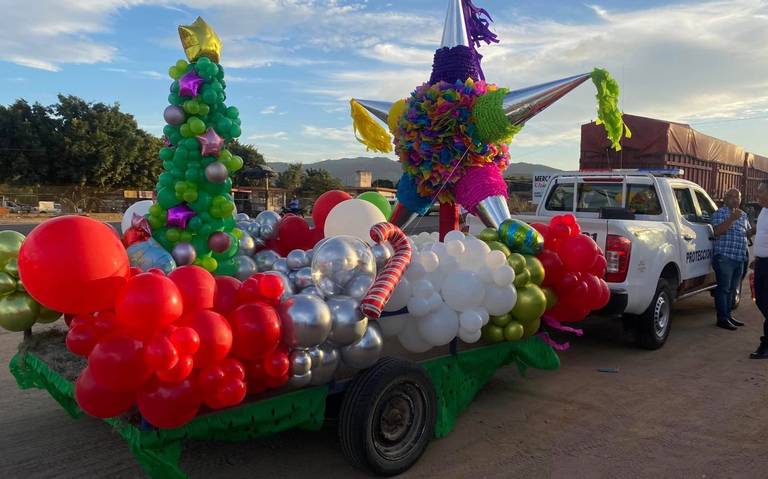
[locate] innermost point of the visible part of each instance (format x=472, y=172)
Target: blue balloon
x=150, y=254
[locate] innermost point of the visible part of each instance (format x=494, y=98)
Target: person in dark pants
x=731, y=228
x=761, y=268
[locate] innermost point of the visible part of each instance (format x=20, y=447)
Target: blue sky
x=291, y=65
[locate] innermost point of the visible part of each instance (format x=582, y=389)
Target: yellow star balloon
x=199, y=40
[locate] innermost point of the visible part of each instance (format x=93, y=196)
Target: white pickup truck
x=655, y=232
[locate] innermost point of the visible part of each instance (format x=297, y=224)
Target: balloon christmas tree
x=194, y=214
x=451, y=134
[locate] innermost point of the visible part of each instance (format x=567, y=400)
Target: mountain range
x=383, y=168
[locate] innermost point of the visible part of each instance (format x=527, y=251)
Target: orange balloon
x=73, y=264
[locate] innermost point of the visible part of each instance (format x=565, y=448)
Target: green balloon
x=46, y=315
x=514, y=331
x=517, y=261
x=18, y=311
x=535, y=268
x=532, y=327
x=551, y=297
x=7, y=284
x=195, y=223
x=502, y=320
x=227, y=267
x=492, y=333
x=531, y=304
x=10, y=244
x=378, y=200
x=166, y=198
x=499, y=246
x=488, y=234
x=522, y=278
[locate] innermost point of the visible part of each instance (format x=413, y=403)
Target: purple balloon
x=190, y=84
x=179, y=216
x=174, y=115
x=219, y=242
x=184, y=254
x=216, y=172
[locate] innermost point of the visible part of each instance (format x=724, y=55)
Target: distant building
x=364, y=181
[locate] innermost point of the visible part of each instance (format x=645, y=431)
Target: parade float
x=199, y=323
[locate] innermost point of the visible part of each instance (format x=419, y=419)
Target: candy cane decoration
x=387, y=279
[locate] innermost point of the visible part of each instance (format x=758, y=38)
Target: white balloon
x=440, y=326
x=486, y=274
x=393, y=325
x=400, y=296
x=483, y=314
x=429, y=260
x=463, y=290
x=418, y=306
x=504, y=275
x=454, y=247
x=411, y=339
x=434, y=236
x=470, y=320
x=415, y=271
x=470, y=336
x=354, y=218
x=500, y=299
x=440, y=250
x=141, y=208
x=454, y=235
x=422, y=288
x=495, y=259
x=434, y=301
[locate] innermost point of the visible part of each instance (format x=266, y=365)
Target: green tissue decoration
x=608, y=112
x=492, y=124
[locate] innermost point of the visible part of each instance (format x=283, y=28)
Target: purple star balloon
x=189, y=84
x=179, y=216
x=210, y=143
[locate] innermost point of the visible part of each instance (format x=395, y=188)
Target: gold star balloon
x=199, y=40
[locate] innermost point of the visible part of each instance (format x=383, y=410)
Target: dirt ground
x=694, y=409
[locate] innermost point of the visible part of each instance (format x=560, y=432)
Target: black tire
x=737, y=296
x=653, y=326
x=387, y=417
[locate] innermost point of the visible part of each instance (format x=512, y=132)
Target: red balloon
x=225, y=300
x=541, y=228
x=81, y=339
x=97, y=401
x=105, y=324
x=197, y=287
x=160, y=353
x=605, y=294
x=215, y=336
x=118, y=363
x=134, y=271
x=231, y=391
x=179, y=372
x=169, y=405
x=577, y=297
x=148, y=303
x=185, y=339
x=271, y=287
x=233, y=367
x=316, y=234
x=553, y=267
x=256, y=331
x=599, y=266
x=594, y=296
x=249, y=291
x=566, y=284
x=325, y=203
x=560, y=231
x=275, y=382
x=73, y=264
x=256, y=377
x=209, y=380
x=293, y=232
x=276, y=365
x=578, y=253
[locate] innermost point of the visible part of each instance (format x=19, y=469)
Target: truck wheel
x=387, y=417
x=737, y=296
x=652, y=327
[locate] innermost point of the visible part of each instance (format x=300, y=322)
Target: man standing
x=761, y=269
x=731, y=228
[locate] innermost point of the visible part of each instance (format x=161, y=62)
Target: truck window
x=561, y=198
x=643, y=199
x=594, y=196
x=706, y=205
x=685, y=203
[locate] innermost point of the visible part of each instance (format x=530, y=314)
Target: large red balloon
x=118, y=364
x=148, y=303
x=215, y=336
x=97, y=401
x=73, y=264
x=225, y=300
x=197, y=287
x=578, y=252
x=553, y=267
x=81, y=339
x=325, y=203
x=169, y=405
x=256, y=331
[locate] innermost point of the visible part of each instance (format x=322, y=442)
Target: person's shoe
x=762, y=351
x=725, y=324
x=735, y=322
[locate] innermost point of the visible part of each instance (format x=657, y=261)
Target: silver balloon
x=306, y=321
x=316, y=356
x=297, y=259
x=267, y=221
x=300, y=380
x=242, y=217
x=304, y=278
x=247, y=245
x=259, y=243
x=265, y=259
x=287, y=286
x=184, y=254
x=313, y=291
x=281, y=266
x=174, y=115
x=292, y=278
x=246, y=267
x=359, y=286
x=381, y=254
x=364, y=353
x=338, y=261
x=310, y=254
x=323, y=373
x=216, y=172
x=348, y=324
x=253, y=229
x=300, y=361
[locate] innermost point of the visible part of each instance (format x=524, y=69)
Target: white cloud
x=326, y=133
x=269, y=110
x=278, y=135
x=153, y=75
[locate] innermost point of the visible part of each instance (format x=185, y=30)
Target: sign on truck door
x=695, y=242
x=540, y=181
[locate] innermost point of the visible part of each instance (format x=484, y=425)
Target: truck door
x=695, y=242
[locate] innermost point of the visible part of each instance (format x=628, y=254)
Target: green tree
x=315, y=182
x=250, y=155
x=291, y=178
x=30, y=144
x=383, y=183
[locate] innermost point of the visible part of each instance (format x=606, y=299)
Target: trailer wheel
x=387, y=417
x=652, y=327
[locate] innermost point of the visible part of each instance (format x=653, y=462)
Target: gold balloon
x=12, y=267
x=7, y=284
x=199, y=40
x=10, y=243
x=46, y=315
x=18, y=312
